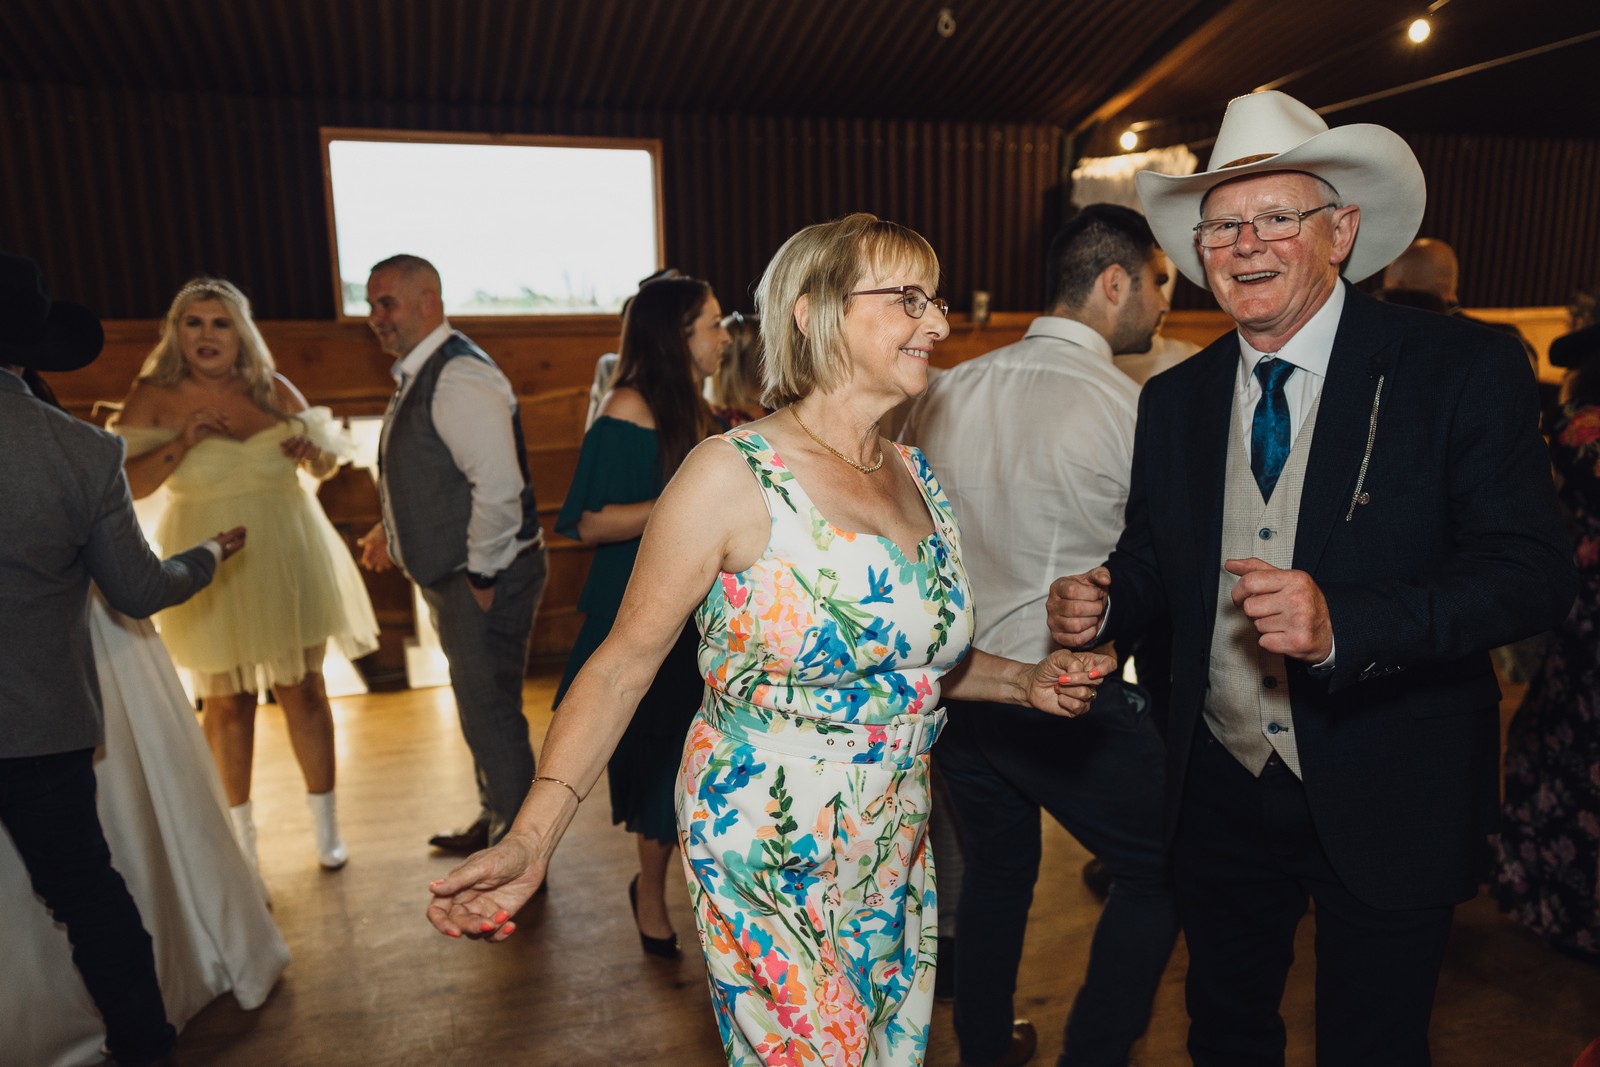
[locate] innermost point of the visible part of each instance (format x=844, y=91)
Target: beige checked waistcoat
x=1247, y=705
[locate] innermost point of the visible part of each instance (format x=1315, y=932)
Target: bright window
x=516, y=225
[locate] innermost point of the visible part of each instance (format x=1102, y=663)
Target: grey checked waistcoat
x=428, y=500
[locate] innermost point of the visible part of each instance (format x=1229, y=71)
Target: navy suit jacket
x=1458, y=548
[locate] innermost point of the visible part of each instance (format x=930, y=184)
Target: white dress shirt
x=1033, y=443
x=1309, y=350
x=472, y=404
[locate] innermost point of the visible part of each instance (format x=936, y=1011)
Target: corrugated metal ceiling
x=1006, y=60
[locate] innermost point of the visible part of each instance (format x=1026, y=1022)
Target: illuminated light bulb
x=1418, y=31
x=1129, y=140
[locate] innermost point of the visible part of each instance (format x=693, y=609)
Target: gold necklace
x=862, y=467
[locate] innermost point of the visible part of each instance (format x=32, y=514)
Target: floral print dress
x=803, y=798
x=1549, y=870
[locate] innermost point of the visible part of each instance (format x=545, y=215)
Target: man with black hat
x=1341, y=506
x=69, y=520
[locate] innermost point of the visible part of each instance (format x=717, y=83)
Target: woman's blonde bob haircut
x=823, y=263
x=164, y=365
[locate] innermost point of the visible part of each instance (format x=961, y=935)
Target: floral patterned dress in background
x=1549, y=871
x=803, y=798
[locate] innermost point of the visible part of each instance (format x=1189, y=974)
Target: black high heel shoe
x=665, y=947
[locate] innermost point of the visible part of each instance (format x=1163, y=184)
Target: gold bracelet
x=557, y=781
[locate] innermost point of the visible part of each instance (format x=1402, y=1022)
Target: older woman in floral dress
x=821, y=564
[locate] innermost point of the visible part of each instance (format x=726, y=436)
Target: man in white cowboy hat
x=1342, y=506
x=69, y=519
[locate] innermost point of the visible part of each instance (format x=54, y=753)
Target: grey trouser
x=488, y=654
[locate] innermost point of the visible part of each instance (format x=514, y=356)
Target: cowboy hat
x=1368, y=165
x=37, y=332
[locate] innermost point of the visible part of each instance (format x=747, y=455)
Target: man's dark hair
x=1094, y=239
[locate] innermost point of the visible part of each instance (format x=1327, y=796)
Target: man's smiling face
x=1272, y=288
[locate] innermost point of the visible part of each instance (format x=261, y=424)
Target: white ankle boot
x=244, y=831
x=331, y=852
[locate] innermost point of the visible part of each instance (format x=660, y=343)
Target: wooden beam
x=1200, y=28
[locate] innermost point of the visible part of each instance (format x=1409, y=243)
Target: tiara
x=225, y=288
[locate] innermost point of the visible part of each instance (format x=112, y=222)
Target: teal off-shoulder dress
x=620, y=464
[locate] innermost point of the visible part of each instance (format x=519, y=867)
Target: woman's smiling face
x=888, y=348
x=208, y=338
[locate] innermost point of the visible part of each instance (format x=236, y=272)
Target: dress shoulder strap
x=777, y=482
x=938, y=504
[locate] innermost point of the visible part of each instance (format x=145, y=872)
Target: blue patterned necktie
x=1269, y=432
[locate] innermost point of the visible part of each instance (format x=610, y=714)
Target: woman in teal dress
x=822, y=566
x=672, y=340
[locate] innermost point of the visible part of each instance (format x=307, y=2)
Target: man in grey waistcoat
x=68, y=520
x=459, y=517
x=1341, y=506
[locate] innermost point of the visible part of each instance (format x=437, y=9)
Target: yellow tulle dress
x=267, y=617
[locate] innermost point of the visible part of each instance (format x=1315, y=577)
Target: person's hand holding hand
x=375, y=550
x=1065, y=683
x=1288, y=609
x=478, y=898
x=1076, y=607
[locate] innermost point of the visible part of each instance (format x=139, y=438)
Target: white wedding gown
x=162, y=808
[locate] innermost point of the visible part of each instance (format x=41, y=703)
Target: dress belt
x=899, y=741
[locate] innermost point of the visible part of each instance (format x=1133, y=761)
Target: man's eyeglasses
x=1277, y=225
x=912, y=298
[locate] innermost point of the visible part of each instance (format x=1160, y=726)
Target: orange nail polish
x=1063, y=680
x=501, y=916
x=1094, y=674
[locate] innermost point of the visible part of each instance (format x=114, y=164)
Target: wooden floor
x=372, y=984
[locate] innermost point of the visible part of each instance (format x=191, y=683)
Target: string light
x=1129, y=140
x=1418, y=31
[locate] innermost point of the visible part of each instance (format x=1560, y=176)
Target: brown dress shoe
x=474, y=838
x=1023, y=1043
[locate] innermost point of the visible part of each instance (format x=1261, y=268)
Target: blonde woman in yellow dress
x=211, y=420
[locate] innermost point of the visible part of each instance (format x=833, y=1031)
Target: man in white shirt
x=459, y=517
x=1033, y=443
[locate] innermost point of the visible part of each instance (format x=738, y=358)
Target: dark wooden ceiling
x=1086, y=67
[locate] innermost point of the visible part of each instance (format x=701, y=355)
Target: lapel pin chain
x=1358, y=497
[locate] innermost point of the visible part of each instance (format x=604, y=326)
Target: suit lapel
x=1361, y=353
x=1205, y=462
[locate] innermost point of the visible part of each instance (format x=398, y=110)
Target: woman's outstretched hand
x=478, y=898
x=1065, y=683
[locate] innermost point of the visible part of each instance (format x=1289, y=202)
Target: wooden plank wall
x=550, y=364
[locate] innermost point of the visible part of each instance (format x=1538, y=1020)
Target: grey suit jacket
x=66, y=518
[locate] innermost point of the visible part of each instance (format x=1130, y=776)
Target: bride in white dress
x=162, y=809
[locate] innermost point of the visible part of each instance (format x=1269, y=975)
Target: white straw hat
x=1368, y=165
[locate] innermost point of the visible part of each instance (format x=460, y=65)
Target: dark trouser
x=1246, y=860
x=1100, y=776
x=47, y=804
x=488, y=654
